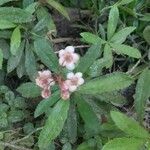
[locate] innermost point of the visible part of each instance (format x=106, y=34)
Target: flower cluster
x=67, y=58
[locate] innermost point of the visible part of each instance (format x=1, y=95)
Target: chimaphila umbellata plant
x=46, y=79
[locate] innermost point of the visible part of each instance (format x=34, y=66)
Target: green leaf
x=128, y=125
x=121, y=35
x=142, y=93
x=146, y=17
x=26, y=3
x=108, y=56
x=13, y=61
x=45, y=52
x=88, y=145
x=54, y=124
x=45, y=104
x=127, y=50
x=124, y=2
x=67, y=146
x=86, y=61
x=15, y=15
x=15, y=41
x=1, y=58
x=4, y=24
x=92, y=123
x=29, y=90
x=92, y=38
x=5, y=1
x=32, y=7
x=124, y=144
x=112, y=21
x=108, y=83
x=16, y=116
x=146, y=34
x=59, y=7
x=5, y=48
x=71, y=124
x=30, y=63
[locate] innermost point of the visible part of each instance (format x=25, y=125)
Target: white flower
x=74, y=81
x=44, y=79
x=68, y=58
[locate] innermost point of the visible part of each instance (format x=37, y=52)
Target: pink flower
x=65, y=94
x=68, y=57
x=46, y=93
x=44, y=79
x=74, y=81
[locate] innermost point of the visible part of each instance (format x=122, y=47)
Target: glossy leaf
x=127, y=50
x=86, y=61
x=29, y=90
x=4, y=24
x=91, y=38
x=142, y=93
x=92, y=123
x=112, y=21
x=124, y=2
x=30, y=63
x=45, y=104
x=13, y=61
x=124, y=144
x=15, y=41
x=121, y=35
x=108, y=56
x=59, y=7
x=128, y=125
x=107, y=83
x=45, y=52
x=54, y=124
x=15, y=15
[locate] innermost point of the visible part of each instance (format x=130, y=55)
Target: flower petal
x=79, y=75
x=69, y=49
x=61, y=53
x=70, y=66
x=70, y=75
x=75, y=58
x=80, y=81
x=72, y=88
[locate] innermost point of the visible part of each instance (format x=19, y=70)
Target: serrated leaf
x=127, y=50
x=146, y=34
x=124, y=2
x=13, y=61
x=121, y=35
x=142, y=93
x=15, y=41
x=32, y=7
x=5, y=1
x=45, y=104
x=128, y=125
x=29, y=90
x=54, y=124
x=112, y=21
x=92, y=123
x=91, y=38
x=71, y=124
x=86, y=61
x=45, y=52
x=30, y=63
x=108, y=83
x=59, y=7
x=124, y=144
x=4, y=24
x=108, y=56
x=1, y=58
x=15, y=15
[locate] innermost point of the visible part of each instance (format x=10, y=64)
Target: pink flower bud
x=65, y=94
x=46, y=93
